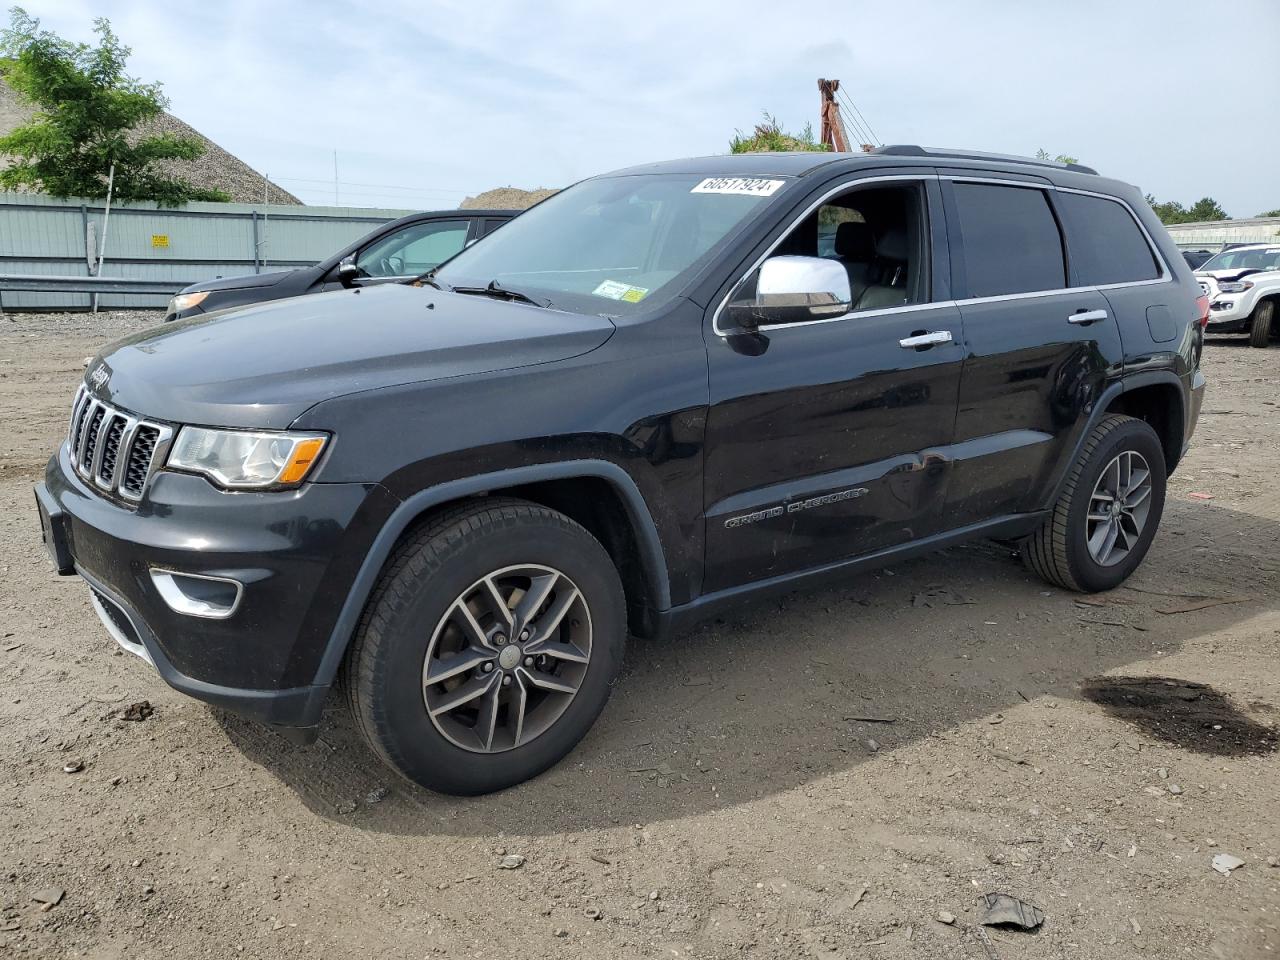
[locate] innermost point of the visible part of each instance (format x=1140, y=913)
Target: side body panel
x=1031, y=378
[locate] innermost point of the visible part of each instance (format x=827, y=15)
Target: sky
x=427, y=102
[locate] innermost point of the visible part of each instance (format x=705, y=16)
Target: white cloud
x=460, y=96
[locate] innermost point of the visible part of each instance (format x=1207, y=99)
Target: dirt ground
x=824, y=776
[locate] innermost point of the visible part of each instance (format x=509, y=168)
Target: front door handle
x=1086, y=317
x=925, y=339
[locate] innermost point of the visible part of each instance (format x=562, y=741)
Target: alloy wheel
x=1118, y=508
x=507, y=658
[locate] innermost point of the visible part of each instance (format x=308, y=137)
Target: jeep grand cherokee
x=659, y=393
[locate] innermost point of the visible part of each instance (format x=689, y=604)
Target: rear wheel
x=489, y=647
x=1260, y=330
x=1104, y=521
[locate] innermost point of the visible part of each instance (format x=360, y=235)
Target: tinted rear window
x=1011, y=240
x=1106, y=244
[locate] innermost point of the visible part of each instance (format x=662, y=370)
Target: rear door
x=1109, y=251
x=1037, y=351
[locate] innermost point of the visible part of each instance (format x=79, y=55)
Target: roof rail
x=912, y=150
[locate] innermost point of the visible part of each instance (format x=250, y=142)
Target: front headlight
x=240, y=459
x=185, y=301
x=1235, y=286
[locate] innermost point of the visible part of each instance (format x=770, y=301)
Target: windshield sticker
x=620, y=291
x=742, y=186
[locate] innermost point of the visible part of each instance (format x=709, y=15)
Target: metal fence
x=200, y=241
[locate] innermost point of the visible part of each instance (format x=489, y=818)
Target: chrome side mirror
x=791, y=289
x=347, y=270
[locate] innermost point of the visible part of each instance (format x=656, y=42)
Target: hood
x=1233, y=274
x=263, y=365
x=246, y=282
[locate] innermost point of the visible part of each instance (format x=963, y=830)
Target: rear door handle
x=1086, y=317
x=925, y=339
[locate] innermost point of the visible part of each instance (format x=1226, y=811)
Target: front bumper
x=1229, y=313
x=295, y=552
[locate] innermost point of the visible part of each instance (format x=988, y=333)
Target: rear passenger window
x=1106, y=245
x=1011, y=240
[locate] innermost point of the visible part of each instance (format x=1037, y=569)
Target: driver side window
x=413, y=250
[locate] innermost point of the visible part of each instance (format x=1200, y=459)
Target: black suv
x=643, y=400
x=394, y=252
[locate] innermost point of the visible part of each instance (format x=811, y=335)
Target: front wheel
x=489, y=647
x=1103, y=523
x=1260, y=329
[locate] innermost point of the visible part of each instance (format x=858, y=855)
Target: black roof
x=800, y=163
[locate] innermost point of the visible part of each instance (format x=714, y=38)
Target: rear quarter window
x=1105, y=244
x=1010, y=238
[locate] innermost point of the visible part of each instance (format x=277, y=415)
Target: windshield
x=611, y=245
x=1256, y=259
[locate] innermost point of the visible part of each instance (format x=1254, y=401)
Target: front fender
x=410, y=509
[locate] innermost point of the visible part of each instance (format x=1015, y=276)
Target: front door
x=1038, y=353
x=820, y=441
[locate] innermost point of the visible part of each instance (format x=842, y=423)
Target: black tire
x=1260, y=329
x=1058, y=551
x=436, y=565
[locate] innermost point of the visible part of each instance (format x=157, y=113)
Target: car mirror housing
x=791, y=289
x=347, y=270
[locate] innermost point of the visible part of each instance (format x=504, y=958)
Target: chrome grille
x=116, y=451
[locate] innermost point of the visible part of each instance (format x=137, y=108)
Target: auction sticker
x=742, y=186
x=620, y=291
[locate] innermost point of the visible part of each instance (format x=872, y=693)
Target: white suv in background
x=1243, y=287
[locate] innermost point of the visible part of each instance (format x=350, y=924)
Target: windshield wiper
x=499, y=292
x=428, y=277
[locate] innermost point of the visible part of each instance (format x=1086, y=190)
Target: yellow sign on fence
x=159, y=239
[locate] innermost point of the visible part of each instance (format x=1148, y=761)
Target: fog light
x=197, y=595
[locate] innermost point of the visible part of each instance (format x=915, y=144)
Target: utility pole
x=336, y=203
x=833, y=134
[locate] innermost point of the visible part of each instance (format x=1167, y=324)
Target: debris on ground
x=1202, y=604
x=73, y=766
x=1002, y=910
x=945, y=917
x=512, y=861
x=1224, y=863
x=376, y=795
x=49, y=897
x=137, y=712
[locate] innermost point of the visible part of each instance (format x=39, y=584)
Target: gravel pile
x=506, y=198
x=216, y=169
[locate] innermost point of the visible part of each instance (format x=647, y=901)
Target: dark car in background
x=397, y=250
x=1196, y=258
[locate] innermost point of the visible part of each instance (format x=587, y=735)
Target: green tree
x=1171, y=211
x=1270, y=213
x=1043, y=154
x=87, y=107
x=769, y=136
